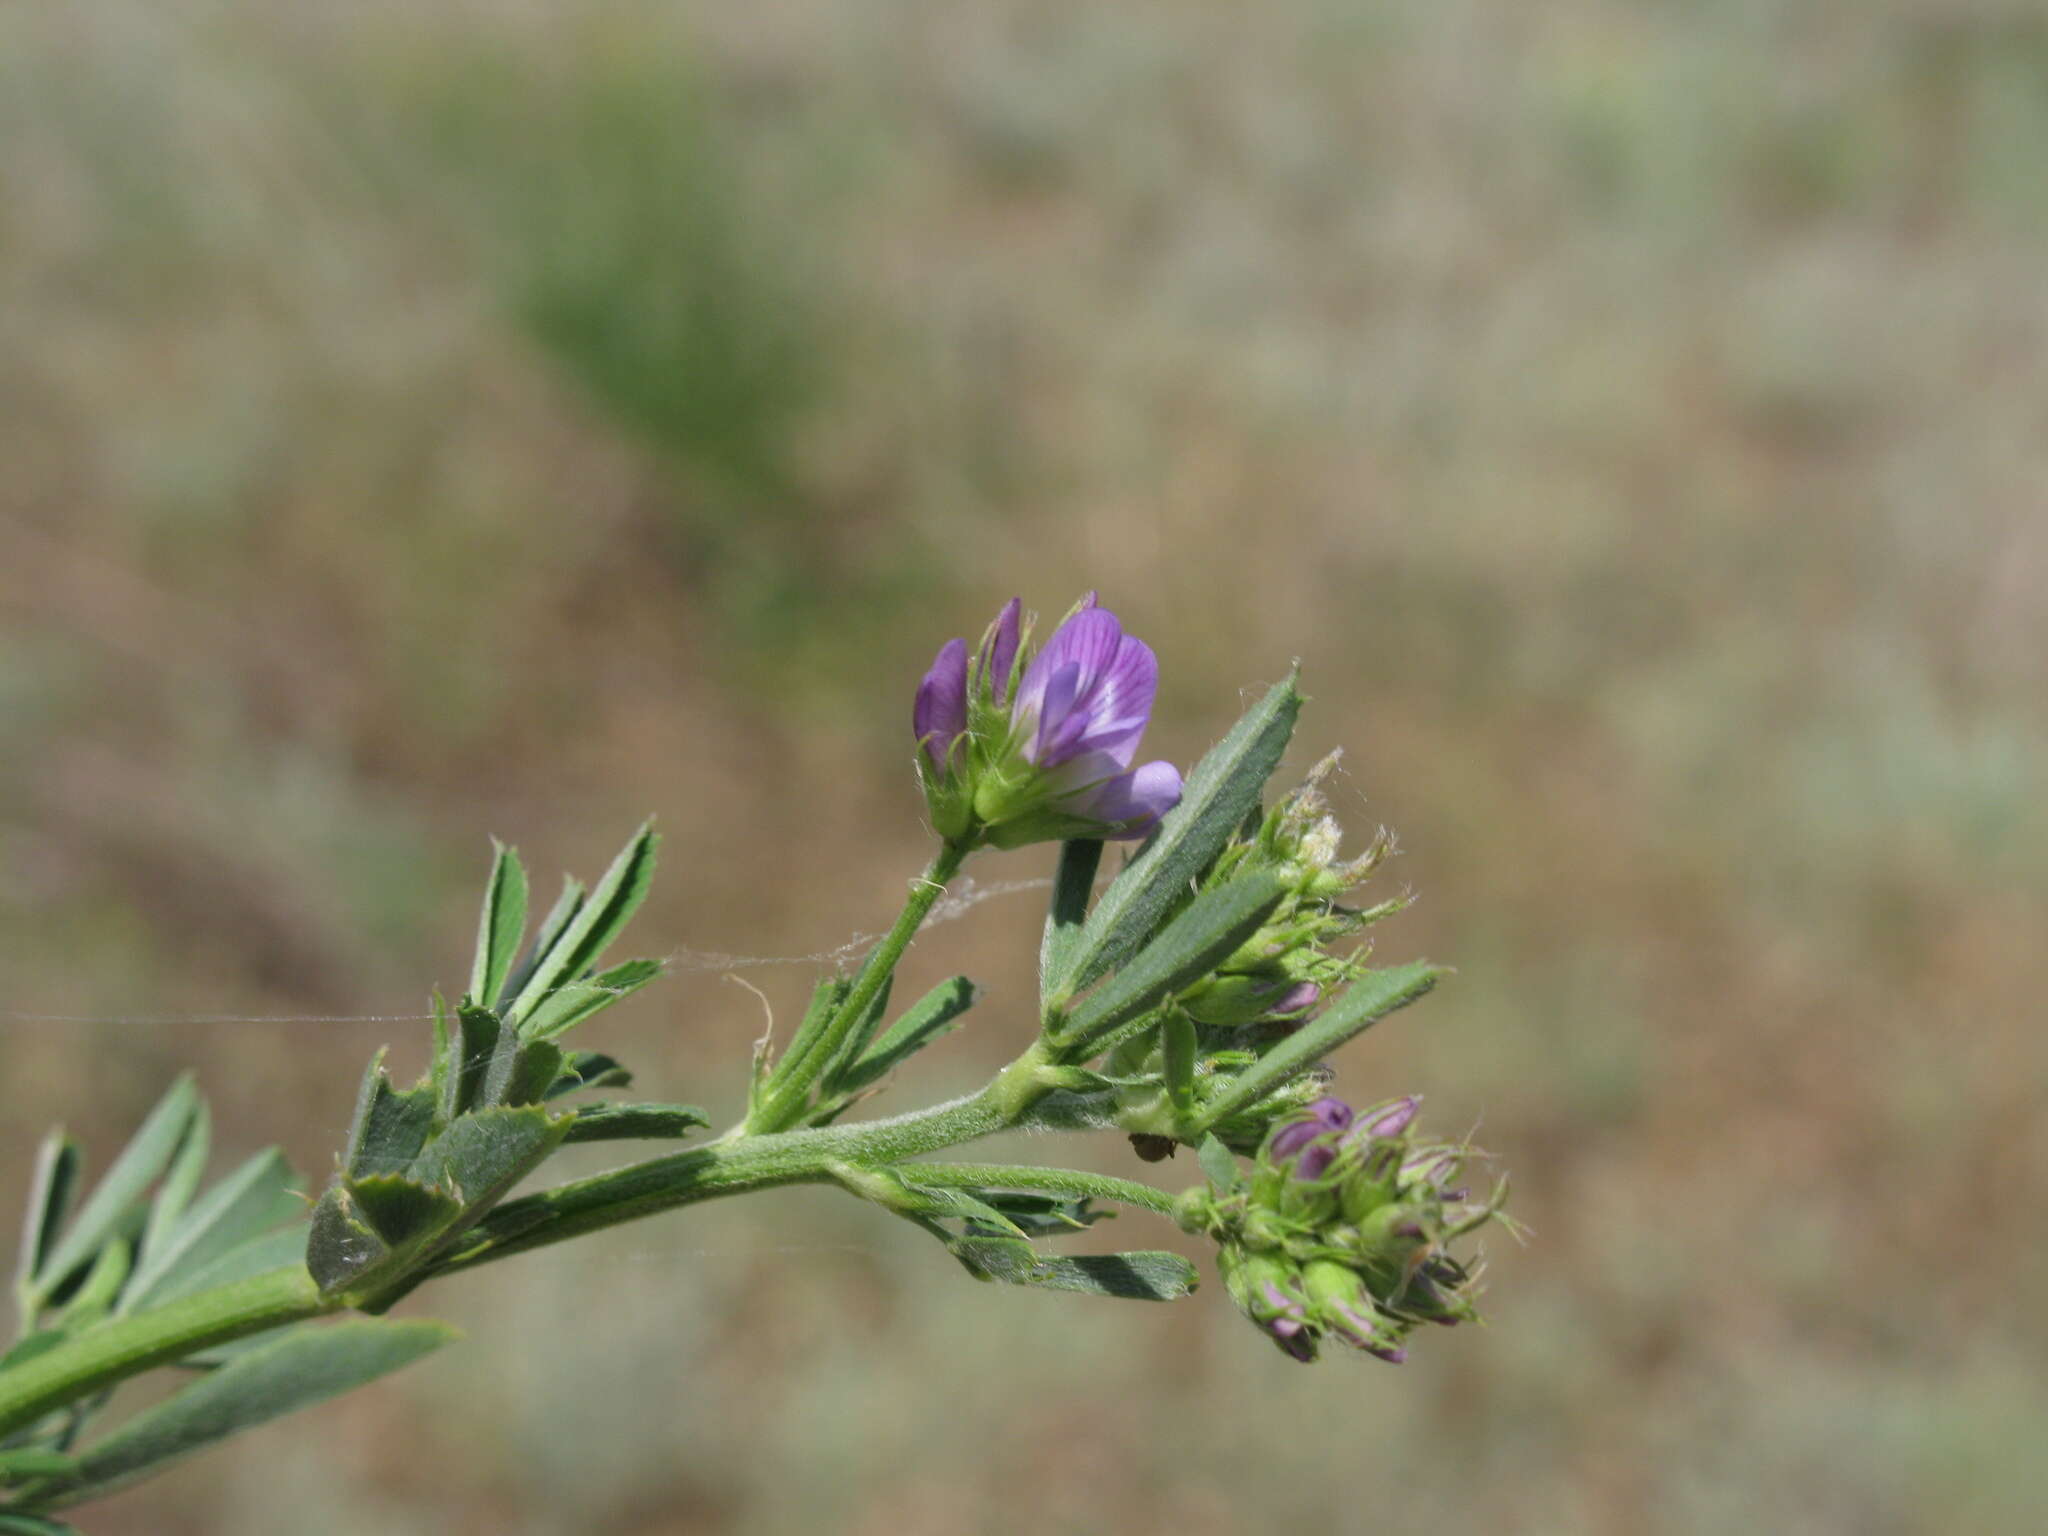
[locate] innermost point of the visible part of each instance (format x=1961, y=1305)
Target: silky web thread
x=967, y=895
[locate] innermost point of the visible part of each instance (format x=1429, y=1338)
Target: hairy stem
x=125, y=1347
x=117, y=1350
x=745, y=1164
x=784, y=1103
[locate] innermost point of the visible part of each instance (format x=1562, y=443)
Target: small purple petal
x=1314, y=1162
x=1392, y=1120
x=1107, y=716
x=1434, y=1165
x=1362, y=1333
x=940, y=713
x=1277, y=1298
x=1332, y=1111
x=1296, y=1000
x=1087, y=641
x=1327, y=1114
x=1133, y=802
x=999, y=651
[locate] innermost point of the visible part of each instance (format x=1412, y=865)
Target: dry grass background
x=433, y=421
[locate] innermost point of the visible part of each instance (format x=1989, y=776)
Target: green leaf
x=552, y=927
x=1071, y=888
x=484, y=1154
x=863, y=1031
x=114, y=1199
x=302, y=1367
x=1177, y=1060
x=945, y=1204
x=589, y=1069
x=26, y=1349
x=33, y=1461
x=612, y=903
x=826, y=997
x=1215, y=924
x=1218, y=1164
x=341, y=1246
x=405, y=1213
x=637, y=1122
x=103, y=1282
x=445, y=1075
x=521, y=1073
x=572, y=1004
x=1147, y=1276
x=1354, y=1010
x=1223, y=787
x=501, y=926
x=935, y=1014
x=50, y=1189
x=479, y=1034
x=390, y=1126
x=255, y=1256
x=180, y=1183
x=1042, y=1215
x=257, y=1196
x=34, y=1525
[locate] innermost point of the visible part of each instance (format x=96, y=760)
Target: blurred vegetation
x=460, y=419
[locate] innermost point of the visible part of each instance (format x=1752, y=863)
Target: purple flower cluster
x=1342, y=1235
x=1046, y=754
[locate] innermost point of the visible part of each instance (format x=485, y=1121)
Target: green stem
x=745, y=1164
x=784, y=1103
x=1055, y=1181
x=114, y=1351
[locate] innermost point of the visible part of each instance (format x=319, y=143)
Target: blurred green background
x=427, y=422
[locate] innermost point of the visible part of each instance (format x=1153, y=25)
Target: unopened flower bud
x=1322, y=1118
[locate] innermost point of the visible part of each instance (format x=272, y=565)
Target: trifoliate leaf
x=1215, y=925
x=1354, y=1010
x=390, y=1126
x=112, y=1201
x=500, y=928
x=301, y=1367
x=1224, y=786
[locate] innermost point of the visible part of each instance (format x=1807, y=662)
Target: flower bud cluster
x=1015, y=748
x=1284, y=971
x=1275, y=982
x=1342, y=1232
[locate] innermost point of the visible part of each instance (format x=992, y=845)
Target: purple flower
x=1361, y=1332
x=1296, y=1003
x=940, y=715
x=1388, y=1119
x=1020, y=754
x=1287, y=1326
x=1080, y=712
x=1323, y=1117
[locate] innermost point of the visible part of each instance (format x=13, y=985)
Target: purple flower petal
x=1362, y=1333
x=1133, y=802
x=1088, y=639
x=1313, y=1163
x=1120, y=702
x=1390, y=1121
x=1327, y=1114
x=999, y=650
x=940, y=713
x=1297, y=1000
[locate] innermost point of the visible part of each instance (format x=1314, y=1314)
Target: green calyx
x=1346, y=1238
